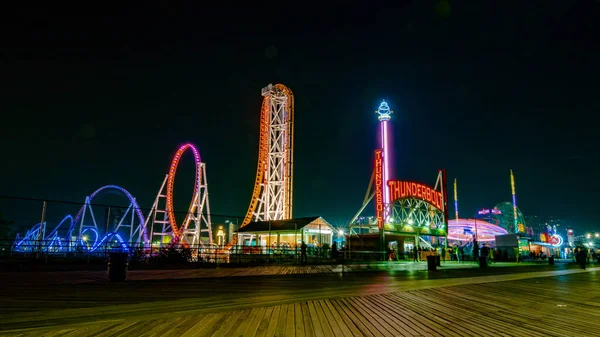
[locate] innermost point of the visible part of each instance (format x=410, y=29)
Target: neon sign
x=384, y=112
x=486, y=211
x=556, y=240
x=379, y=188
x=404, y=189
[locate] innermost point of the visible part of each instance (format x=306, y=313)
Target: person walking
x=334, y=250
x=303, y=258
x=443, y=254
x=415, y=254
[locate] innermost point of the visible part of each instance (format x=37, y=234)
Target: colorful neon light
x=556, y=240
x=514, y=200
x=404, y=189
x=263, y=171
x=464, y=230
x=31, y=238
x=486, y=211
x=455, y=200
x=379, y=194
x=171, y=183
x=96, y=238
x=67, y=217
x=384, y=115
x=131, y=199
x=105, y=239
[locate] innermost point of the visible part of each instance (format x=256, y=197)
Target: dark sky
x=96, y=96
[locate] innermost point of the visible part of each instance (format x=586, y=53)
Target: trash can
x=438, y=260
x=482, y=262
x=551, y=260
x=117, y=266
x=431, y=263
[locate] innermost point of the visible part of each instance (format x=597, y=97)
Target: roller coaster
x=271, y=198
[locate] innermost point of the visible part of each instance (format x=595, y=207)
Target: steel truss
x=197, y=220
x=409, y=215
x=125, y=227
x=275, y=201
x=417, y=213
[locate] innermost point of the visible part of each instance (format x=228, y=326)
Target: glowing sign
x=556, y=240
x=379, y=188
x=384, y=112
x=404, y=189
x=486, y=211
x=544, y=237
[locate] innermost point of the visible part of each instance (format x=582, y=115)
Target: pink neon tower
x=385, y=114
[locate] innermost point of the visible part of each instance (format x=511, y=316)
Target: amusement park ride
x=271, y=197
x=403, y=208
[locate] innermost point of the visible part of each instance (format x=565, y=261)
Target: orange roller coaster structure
x=272, y=197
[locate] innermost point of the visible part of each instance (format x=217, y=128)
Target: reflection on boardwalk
x=549, y=303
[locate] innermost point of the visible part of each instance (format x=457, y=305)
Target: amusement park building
x=290, y=233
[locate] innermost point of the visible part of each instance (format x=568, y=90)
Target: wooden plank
x=373, y=320
x=153, y=326
x=423, y=307
x=272, y=328
x=452, y=296
x=290, y=326
x=443, y=316
x=333, y=324
x=91, y=330
x=324, y=322
x=383, y=316
x=227, y=325
x=299, y=323
x=245, y=323
x=407, y=322
x=308, y=326
x=280, y=330
x=253, y=326
x=360, y=320
x=136, y=328
x=180, y=328
x=345, y=329
x=314, y=318
x=264, y=323
x=202, y=321
x=346, y=317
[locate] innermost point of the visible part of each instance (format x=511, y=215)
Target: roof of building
x=280, y=225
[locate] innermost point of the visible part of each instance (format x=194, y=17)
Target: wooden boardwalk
x=142, y=275
x=564, y=305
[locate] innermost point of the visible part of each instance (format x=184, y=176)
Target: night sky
x=97, y=96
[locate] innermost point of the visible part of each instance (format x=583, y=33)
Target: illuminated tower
x=455, y=200
x=385, y=114
x=514, y=200
x=272, y=195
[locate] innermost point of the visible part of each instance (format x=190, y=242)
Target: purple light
x=386, y=163
x=131, y=199
x=464, y=230
x=384, y=113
